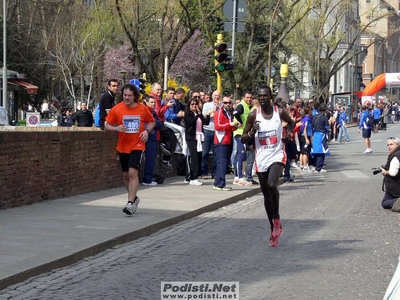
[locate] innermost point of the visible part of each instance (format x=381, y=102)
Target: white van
x=4, y=118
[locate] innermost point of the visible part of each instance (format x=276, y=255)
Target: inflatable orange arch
x=379, y=82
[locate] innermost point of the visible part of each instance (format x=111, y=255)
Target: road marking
x=354, y=174
x=95, y=227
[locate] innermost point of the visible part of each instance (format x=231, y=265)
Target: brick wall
x=38, y=164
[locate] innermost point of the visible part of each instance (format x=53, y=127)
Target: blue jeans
x=343, y=131
x=250, y=155
x=221, y=153
x=208, y=145
x=234, y=149
x=240, y=157
x=151, y=156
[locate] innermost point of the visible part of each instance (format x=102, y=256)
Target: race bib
x=268, y=139
x=132, y=124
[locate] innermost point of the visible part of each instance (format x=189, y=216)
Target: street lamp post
x=270, y=41
x=123, y=75
x=5, y=98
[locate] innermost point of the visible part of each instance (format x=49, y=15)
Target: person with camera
x=391, y=180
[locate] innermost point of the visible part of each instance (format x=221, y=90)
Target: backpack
x=97, y=116
x=370, y=120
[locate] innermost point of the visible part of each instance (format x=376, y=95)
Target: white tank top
x=268, y=141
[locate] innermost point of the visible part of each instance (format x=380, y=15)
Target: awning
x=30, y=88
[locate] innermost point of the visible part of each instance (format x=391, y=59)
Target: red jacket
x=160, y=109
x=223, y=128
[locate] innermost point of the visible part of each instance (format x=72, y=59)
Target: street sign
x=228, y=26
x=241, y=11
x=134, y=82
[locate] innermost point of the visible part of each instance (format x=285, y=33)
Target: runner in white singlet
x=265, y=125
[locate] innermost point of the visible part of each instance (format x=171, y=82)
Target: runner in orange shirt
x=133, y=122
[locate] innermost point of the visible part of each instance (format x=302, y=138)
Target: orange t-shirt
x=135, y=119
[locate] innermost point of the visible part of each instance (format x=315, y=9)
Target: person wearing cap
x=391, y=180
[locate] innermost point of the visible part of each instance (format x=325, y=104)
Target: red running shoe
x=273, y=241
x=277, y=231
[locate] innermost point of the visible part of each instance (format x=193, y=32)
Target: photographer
x=391, y=180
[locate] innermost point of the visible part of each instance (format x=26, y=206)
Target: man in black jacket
x=83, y=117
x=107, y=100
x=391, y=180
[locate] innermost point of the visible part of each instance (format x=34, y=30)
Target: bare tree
x=79, y=45
x=159, y=29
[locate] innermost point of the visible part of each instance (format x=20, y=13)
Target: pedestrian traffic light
x=223, y=61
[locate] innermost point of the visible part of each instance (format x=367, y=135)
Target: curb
x=129, y=237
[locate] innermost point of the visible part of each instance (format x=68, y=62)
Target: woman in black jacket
x=194, y=121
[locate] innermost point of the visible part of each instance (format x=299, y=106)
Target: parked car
x=5, y=119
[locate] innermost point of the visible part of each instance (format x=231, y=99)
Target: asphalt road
x=338, y=243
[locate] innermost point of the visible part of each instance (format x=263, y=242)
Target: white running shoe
x=153, y=183
x=131, y=208
x=195, y=182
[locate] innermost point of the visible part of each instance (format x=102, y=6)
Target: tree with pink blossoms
x=117, y=59
x=192, y=63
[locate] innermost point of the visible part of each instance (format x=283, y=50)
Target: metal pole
x=219, y=77
x=166, y=73
x=270, y=41
x=234, y=23
x=5, y=98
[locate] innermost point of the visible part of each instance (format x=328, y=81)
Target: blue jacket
x=364, y=120
x=342, y=119
x=171, y=115
x=377, y=113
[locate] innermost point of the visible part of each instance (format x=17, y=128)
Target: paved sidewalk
x=38, y=238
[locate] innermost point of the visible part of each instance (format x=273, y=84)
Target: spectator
x=83, y=117
x=320, y=147
x=151, y=144
x=64, y=119
x=391, y=180
x=176, y=112
x=107, y=100
x=305, y=139
x=194, y=136
x=377, y=117
x=240, y=113
x=224, y=126
x=45, y=109
x=342, y=126
x=208, y=144
x=366, y=125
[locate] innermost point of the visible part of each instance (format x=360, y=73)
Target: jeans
x=150, y=155
x=221, y=153
x=208, y=145
x=240, y=157
x=250, y=155
x=234, y=149
x=388, y=201
x=343, y=131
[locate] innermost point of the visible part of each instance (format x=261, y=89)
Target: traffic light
x=140, y=84
x=223, y=61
